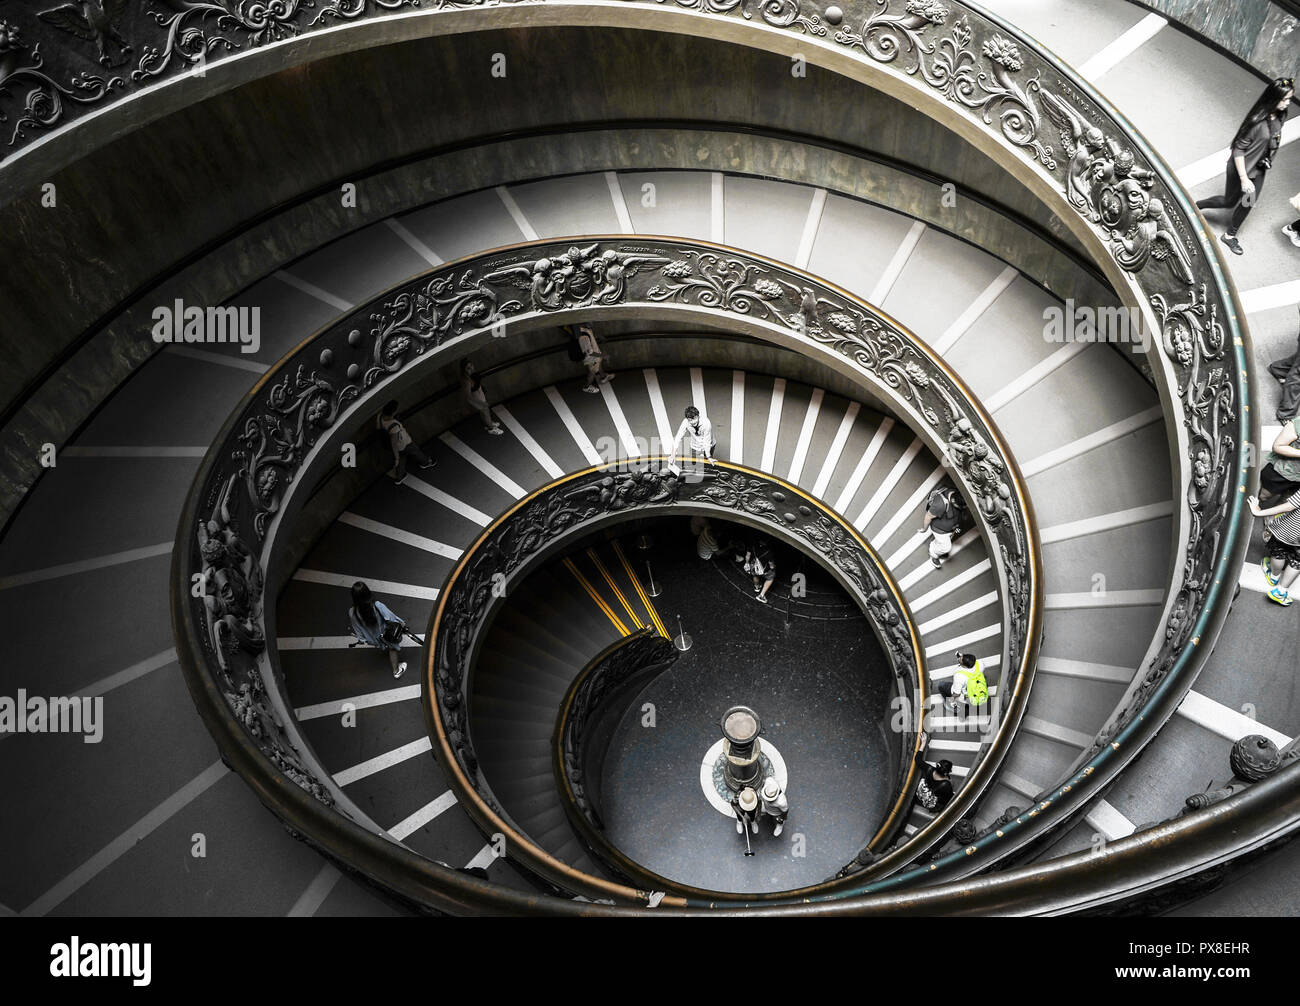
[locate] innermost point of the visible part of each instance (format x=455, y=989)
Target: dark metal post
x=741, y=746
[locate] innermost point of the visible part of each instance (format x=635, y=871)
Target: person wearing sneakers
x=593, y=359
x=404, y=448
x=775, y=805
x=760, y=564
x=472, y=387
x=1292, y=230
x=942, y=518
x=375, y=625
x=1250, y=158
x=1281, y=563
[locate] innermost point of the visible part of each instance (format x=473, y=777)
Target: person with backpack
x=934, y=788
x=590, y=355
x=404, y=448
x=375, y=625
x=942, y=519
x=967, y=683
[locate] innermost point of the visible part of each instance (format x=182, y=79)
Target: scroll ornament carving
x=1104, y=182
x=232, y=599
x=982, y=79
x=23, y=73
x=777, y=13
x=745, y=287
x=274, y=444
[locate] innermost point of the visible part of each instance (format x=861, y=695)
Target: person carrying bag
x=374, y=624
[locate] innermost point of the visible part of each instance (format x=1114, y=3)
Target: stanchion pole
x=683, y=641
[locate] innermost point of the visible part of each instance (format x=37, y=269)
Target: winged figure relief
x=576, y=277
x=1104, y=181
x=95, y=21
x=1082, y=142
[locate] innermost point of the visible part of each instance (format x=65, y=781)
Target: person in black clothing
x=934, y=789
x=760, y=564
x=1251, y=156
x=942, y=519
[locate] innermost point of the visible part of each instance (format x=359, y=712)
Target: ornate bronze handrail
x=575, y=506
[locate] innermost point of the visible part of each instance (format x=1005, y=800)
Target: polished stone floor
x=822, y=689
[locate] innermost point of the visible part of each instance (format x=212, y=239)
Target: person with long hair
x=1251, y=157
x=374, y=624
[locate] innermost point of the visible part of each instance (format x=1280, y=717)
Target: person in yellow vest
x=967, y=683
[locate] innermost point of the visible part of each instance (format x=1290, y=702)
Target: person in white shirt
x=745, y=806
x=775, y=805
x=967, y=685
x=593, y=359
x=697, y=432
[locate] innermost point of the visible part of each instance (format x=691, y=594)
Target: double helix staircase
x=93, y=538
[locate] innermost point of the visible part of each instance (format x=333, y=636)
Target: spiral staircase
x=1098, y=754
